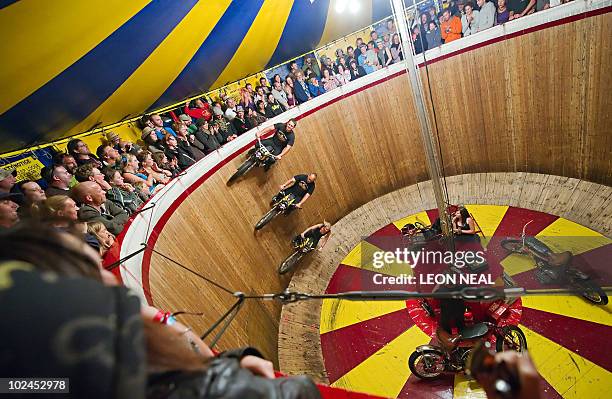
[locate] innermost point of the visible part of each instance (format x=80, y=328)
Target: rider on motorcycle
x=315, y=233
x=281, y=141
x=300, y=186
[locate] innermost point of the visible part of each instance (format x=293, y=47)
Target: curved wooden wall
x=577, y=200
x=548, y=112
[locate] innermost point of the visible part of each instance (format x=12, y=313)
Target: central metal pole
x=429, y=143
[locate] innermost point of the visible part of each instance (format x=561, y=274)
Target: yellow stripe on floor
x=385, y=372
x=567, y=372
x=515, y=264
x=418, y=217
x=570, y=306
x=565, y=235
x=43, y=38
x=465, y=387
x=488, y=218
x=369, y=257
x=337, y=313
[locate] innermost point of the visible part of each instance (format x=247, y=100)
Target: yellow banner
x=27, y=168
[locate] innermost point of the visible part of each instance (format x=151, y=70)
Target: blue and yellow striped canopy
x=70, y=65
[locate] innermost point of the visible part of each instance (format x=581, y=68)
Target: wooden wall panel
x=536, y=103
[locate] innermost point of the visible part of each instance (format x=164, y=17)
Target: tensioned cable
x=435, y=117
x=192, y=271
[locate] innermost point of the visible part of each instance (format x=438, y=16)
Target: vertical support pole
x=429, y=142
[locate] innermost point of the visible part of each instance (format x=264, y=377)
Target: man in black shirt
x=300, y=186
x=280, y=142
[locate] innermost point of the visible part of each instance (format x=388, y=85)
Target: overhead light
x=352, y=6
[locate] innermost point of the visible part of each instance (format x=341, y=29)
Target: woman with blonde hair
x=61, y=212
x=57, y=211
x=104, y=237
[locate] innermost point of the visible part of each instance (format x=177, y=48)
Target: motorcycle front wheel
x=513, y=339
x=511, y=245
x=271, y=214
x=427, y=364
x=242, y=169
x=592, y=292
x=289, y=263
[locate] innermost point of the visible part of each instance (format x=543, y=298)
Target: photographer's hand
x=517, y=365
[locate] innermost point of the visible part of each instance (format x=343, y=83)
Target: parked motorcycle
x=281, y=204
x=257, y=157
x=301, y=247
x=555, y=268
x=429, y=361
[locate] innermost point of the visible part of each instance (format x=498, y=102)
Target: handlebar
x=524, y=230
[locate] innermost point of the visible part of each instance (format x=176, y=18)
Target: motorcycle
x=257, y=157
x=555, y=268
x=281, y=204
x=429, y=361
x=301, y=247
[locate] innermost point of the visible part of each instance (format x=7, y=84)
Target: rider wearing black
x=281, y=141
x=315, y=233
x=300, y=186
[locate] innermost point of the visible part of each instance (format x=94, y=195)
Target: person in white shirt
x=486, y=16
x=469, y=20
x=280, y=95
x=230, y=112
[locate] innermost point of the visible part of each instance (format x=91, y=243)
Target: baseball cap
x=11, y=197
x=145, y=132
x=4, y=173
x=184, y=117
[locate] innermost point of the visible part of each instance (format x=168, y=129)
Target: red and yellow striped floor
x=366, y=345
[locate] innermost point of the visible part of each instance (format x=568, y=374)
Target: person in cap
x=186, y=119
x=7, y=179
x=123, y=146
x=239, y=122
x=9, y=203
x=151, y=140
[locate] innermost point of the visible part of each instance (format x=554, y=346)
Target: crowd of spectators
x=460, y=18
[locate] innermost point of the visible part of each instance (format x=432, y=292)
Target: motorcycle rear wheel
x=289, y=263
x=417, y=358
x=267, y=218
x=242, y=169
x=592, y=292
x=513, y=339
x=511, y=245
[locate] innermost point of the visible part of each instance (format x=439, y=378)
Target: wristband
x=164, y=318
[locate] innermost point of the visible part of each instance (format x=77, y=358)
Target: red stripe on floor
x=345, y=348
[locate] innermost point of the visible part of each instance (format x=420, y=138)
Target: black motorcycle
x=281, y=203
x=301, y=248
x=555, y=268
x=258, y=156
